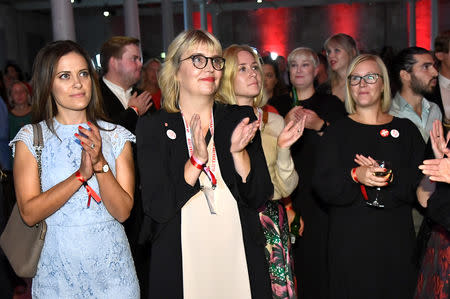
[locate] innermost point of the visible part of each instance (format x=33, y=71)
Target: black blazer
x=161, y=163
x=115, y=111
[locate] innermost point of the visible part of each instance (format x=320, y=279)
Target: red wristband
x=135, y=109
x=354, y=177
x=196, y=163
x=80, y=177
x=89, y=190
x=289, y=208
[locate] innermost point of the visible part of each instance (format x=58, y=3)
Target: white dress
x=214, y=263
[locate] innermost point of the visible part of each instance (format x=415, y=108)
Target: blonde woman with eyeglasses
x=367, y=173
x=203, y=180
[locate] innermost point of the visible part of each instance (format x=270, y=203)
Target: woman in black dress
x=370, y=248
x=310, y=251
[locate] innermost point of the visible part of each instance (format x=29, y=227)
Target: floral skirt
x=435, y=271
x=278, y=250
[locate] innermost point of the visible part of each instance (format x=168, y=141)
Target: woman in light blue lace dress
x=86, y=252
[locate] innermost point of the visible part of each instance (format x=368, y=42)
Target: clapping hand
x=91, y=157
x=291, y=133
x=243, y=134
x=142, y=102
x=200, y=150
x=438, y=140
x=437, y=169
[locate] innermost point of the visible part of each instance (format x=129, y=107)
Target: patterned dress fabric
x=278, y=250
x=434, y=274
x=86, y=252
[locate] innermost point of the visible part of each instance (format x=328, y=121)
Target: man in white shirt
x=122, y=63
x=414, y=72
x=416, y=75
x=441, y=95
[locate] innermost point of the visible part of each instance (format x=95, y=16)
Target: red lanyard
x=208, y=170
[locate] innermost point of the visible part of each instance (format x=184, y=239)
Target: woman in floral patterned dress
x=242, y=85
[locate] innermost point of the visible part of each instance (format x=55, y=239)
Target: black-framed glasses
x=200, y=61
x=369, y=79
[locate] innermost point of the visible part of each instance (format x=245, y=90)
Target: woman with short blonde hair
x=366, y=175
x=203, y=182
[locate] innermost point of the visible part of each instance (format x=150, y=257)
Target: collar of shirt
x=430, y=111
x=122, y=94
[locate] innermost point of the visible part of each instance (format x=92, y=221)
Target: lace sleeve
x=26, y=135
x=119, y=136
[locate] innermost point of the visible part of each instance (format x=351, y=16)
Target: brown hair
x=114, y=47
x=24, y=86
x=442, y=42
x=44, y=67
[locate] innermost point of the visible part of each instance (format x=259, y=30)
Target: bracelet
x=89, y=190
x=289, y=208
x=135, y=109
x=324, y=126
x=197, y=163
x=354, y=177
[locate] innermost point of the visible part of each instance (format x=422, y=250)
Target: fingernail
x=89, y=123
x=82, y=142
x=80, y=127
x=76, y=134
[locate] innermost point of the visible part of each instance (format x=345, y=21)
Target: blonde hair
x=170, y=87
x=350, y=104
x=347, y=43
x=226, y=92
x=303, y=51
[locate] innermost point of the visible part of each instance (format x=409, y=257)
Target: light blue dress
x=86, y=252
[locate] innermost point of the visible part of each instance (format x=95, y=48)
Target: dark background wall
x=373, y=25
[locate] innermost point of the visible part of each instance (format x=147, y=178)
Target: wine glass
x=378, y=201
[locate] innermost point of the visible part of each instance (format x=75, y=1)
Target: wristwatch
x=105, y=168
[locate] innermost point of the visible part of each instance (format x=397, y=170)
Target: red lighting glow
x=423, y=23
x=344, y=18
x=196, y=20
x=273, y=23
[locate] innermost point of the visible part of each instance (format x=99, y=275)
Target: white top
x=122, y=94
x=213, y=254
x=444, y=85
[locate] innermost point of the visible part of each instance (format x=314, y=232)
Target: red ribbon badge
x=384, y=133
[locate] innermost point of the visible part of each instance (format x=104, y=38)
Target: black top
x=165, y=191
x=311, y=249
x=115, y=111
x=439, y=205
x=370, y=249
x=283, y=103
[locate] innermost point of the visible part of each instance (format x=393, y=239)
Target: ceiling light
x=106, y=13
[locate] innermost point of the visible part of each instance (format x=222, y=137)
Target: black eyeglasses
x=200, y=61
x=369, y=79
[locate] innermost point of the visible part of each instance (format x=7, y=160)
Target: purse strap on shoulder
x=38, y=144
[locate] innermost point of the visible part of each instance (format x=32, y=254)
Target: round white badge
x=171, y=134
x=395, y=133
